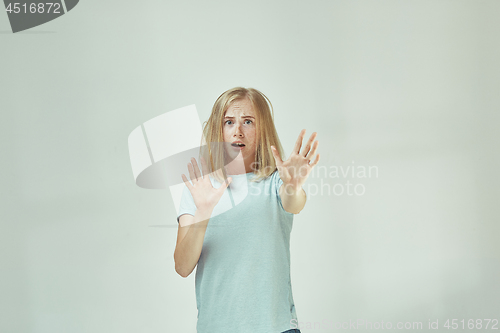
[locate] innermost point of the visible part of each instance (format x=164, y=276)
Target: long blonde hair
x=266, y=134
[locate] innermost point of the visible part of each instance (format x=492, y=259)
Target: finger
x=191, y=174
x=197, y=172
x=186, y=181
x=276, y=155
x=308, y=145
x=313, y=150
x=298, y=143
x=204, y=166
x=224, y=185
x=316, y=160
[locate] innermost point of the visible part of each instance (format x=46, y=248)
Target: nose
x=237, y=131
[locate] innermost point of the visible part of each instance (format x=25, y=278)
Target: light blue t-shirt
x=243, y=275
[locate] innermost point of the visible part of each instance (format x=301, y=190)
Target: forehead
x=240, y=107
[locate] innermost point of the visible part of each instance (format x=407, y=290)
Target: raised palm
x=205, y=196
x=295, y=170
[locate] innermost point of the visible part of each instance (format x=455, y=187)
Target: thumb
x=226, y=184
x=276, y=155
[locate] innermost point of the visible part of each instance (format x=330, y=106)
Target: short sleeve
x=187, y=205
x=277, y=182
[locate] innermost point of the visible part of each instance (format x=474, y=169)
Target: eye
x=248, y=121
x=227, y=121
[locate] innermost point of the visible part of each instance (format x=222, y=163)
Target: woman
x=235, y=218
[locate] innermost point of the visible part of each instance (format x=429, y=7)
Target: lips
x=238, y=144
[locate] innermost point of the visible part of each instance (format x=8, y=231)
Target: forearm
x=293, y=199
x=188, y=251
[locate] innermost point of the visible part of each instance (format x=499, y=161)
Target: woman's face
x=240, y=126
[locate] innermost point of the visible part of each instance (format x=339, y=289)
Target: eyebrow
x=241, y=117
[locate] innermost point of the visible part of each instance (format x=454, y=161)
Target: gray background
x=407, y=86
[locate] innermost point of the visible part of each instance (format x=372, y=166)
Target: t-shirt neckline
x=241, y=174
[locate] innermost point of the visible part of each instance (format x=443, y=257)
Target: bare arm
x=294, y=172
x=293, y=200
x=190, y=238
x=191, y=229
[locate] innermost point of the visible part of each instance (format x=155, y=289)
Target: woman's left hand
x=295, y=170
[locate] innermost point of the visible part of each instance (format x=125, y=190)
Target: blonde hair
x=266, y=134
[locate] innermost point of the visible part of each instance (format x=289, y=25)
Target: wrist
x=291, y=189
x=205, y=212
x=202, y=214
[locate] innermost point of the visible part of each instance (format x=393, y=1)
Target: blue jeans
x=294, y=330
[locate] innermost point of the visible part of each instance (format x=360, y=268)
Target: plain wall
x=408, y=88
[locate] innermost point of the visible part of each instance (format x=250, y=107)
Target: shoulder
x=275, y=181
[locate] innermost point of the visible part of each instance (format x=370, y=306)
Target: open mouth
x=239, y=145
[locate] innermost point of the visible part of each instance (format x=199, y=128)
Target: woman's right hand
x=205, y=196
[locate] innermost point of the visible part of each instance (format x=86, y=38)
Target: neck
x=239, y=166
